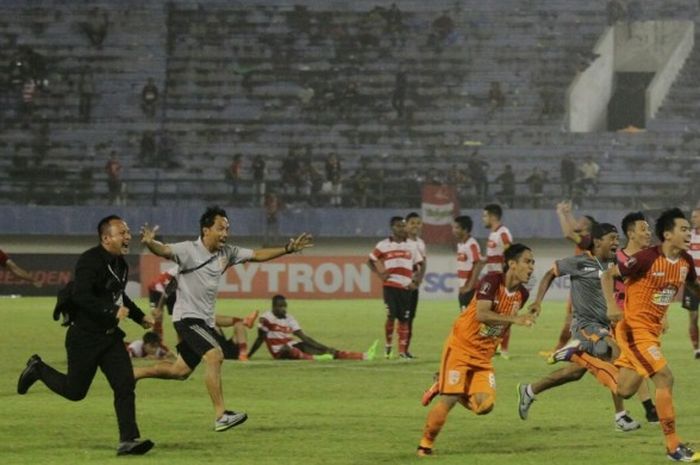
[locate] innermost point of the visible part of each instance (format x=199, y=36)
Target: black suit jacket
x=100, y=279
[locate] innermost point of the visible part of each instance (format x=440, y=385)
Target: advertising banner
x=439, y=207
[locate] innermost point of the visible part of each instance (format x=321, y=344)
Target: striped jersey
x=399, y=260
x=653, y=280
x=159, y=283
x=498, y=242
x=468, y=254
x=694, y=249
x=279, y=332
x=420, y=245
x=477, y=340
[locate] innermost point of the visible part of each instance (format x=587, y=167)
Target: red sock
x=667, y=418
x=403, y=336
x=505, y=341
x=343, y=355
x=389, y=332
x=694, y=334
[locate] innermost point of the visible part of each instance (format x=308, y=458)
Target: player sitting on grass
x=277, y=329
x=150, y=346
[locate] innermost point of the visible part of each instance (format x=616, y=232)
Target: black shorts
x=154, y=298
x=690, y=301
x=398, y=303
x=465, y=299
x=196, y=339
x=229, y=347
x=414, y=303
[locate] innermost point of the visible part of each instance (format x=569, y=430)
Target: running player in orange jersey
x=653, y=277
x=466, y=373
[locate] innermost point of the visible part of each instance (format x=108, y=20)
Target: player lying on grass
x=278, y=330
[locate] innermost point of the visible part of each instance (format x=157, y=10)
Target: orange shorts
x=640, y=350
x=458, y=375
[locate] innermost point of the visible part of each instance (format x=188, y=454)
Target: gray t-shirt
x=587, y=297
x=196, y=291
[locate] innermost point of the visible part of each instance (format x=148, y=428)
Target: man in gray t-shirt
x=202, y=264
x=590, y=327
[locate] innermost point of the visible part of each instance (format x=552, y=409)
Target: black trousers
x=86, y=352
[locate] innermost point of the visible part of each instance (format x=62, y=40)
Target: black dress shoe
x=135, y=447
x=29, y=375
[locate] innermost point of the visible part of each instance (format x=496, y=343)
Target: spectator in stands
x=361, y=181
x=234, y=173
x=259, y=174
x=147, y=152
x=86, y=90
x=441, y=29
x=477, y=172
x=567, y=176
x=149, y=97
x=496, y=98
x=115, y=184
x=333, y=187
x=289, y=172
x=399, y=95
x=271, y=207
x=535, y=182
x=616, y=12
x=589, y=175
x=394, y=24
x=548, y=98
x=95, y=27
x=507, y=181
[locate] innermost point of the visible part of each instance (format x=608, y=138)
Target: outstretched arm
x=567, y=222
x=256, y=344
x=484, y=314
x=148, y=235
x=21, y=273
x=536, y=307
x=312, y=342
x=294, y=245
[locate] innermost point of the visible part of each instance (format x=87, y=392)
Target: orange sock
x=605, y=372
x=667, y=417
x=435, y=422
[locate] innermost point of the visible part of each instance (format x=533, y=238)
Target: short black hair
x=209, y=216
x=277, y=298
x=667, y=221
x=494, y=209
x=103, y=225
x=591, y=219
x=465, y=222
x=396, y=219
x=629, y=221
x=513, y=253
x=151, y=337
x=412, y=215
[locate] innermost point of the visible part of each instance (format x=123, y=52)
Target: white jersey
x=496, y=246
x=420, y=245
x=135, y=350
x=694, y=249
x=196, y=290
x=468, y=254
x=399, y=259
x=279, y=332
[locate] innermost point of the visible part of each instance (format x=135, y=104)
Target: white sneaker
x=228, y=420
x=625, y=424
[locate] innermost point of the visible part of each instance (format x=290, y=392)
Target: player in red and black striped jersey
x=690, y=301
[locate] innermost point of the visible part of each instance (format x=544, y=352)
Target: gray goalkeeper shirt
x=196, y=291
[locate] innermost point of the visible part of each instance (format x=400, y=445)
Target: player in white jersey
x=469, y=263
x=414, y=226
x=690, y=301
x=202, y=264
x=395, y=261
x=498, y=242
x=286, y=340
x=149, y=346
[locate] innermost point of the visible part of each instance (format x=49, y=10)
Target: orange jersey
x=652, y=282
x=477, y=340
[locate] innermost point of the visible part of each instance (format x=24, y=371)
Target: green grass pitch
x=341, y=412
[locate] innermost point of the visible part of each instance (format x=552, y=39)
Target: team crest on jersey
x=655, y=352
x=631, y=262
x=485, y=288
x=684, y=272
x=453, y=377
